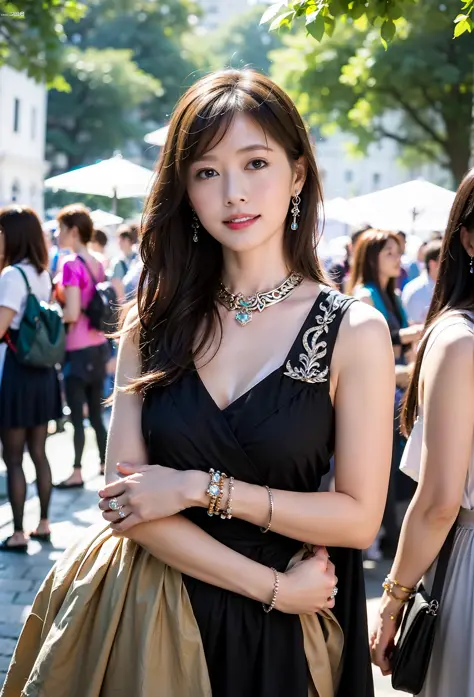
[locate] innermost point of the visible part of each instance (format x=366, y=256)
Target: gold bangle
x=276, y=586
x=270, y=518
x=396, y=583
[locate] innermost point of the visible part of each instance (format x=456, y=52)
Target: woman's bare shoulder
x=363, y=332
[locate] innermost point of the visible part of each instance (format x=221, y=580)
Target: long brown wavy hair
x=365, y=266
x=454, y=289
x=177, y=290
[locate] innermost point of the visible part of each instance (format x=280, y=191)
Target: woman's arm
x=411, y=334
x=72, y=304
x=183, y=545
x=6, y=318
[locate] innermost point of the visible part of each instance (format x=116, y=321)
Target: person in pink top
x=87, y=348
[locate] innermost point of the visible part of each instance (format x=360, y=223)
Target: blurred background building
x=22, y=139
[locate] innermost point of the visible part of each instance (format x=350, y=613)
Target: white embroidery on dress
x=310, y=361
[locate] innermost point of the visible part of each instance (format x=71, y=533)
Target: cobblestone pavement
x=71, y=512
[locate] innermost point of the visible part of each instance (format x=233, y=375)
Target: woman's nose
x=235, y=190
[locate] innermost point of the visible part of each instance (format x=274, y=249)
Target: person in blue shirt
x=417, y=294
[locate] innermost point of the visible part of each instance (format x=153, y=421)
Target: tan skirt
x=110, y=620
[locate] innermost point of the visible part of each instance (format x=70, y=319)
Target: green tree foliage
x=32, y=36
x=152, y=30
x=119, y=93
x=321, y=16
x=242, y=42
x=95, y=117
x=418, y=92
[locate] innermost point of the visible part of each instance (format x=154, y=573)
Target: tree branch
x=391, y=90
x=407, y=142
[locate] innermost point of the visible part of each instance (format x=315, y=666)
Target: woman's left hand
x=145, y=492
x=382, y=639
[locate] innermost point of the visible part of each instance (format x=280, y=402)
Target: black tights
x=13, y=442
x=78, y=393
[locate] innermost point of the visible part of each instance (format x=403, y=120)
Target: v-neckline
x=325, y=290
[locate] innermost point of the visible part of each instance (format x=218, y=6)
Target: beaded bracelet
x=218, y=505
x=215, y=490
x=276, y=586
x=227, y=513
x=270, y=518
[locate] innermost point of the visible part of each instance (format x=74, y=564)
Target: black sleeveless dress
x=280, y=433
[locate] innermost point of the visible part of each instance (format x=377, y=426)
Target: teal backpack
x=41, y=337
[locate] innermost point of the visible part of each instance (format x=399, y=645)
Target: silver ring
x=114, y=504
x=334, y=593
x=122, y=514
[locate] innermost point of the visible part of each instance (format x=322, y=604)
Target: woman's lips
x=241, y=222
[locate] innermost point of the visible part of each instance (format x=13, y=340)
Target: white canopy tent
x=157, y=137
x=115, y=178
x=414, y=207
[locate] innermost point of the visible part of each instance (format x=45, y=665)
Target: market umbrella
x=115, y=178
x=157, y=137
x=104, y=218
x=416, y=206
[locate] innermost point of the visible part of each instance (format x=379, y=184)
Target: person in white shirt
x=417, y=294
x=29, y=396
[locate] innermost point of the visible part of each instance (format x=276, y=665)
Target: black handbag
x=412, y=653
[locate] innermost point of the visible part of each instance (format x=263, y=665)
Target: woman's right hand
x=308, y=585
x=411, y=334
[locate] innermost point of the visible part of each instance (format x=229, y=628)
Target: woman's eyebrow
x=247, y=148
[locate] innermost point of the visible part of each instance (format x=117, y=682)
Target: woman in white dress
x=439, y=416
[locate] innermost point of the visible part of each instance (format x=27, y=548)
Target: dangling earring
x=471, y=266
x=296, y=200
x=195, y=226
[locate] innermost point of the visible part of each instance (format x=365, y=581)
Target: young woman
x=29, y=397
x=375, y=270
x=376, y=267
x=230, y=362
x=440, y=457
x=87, y=348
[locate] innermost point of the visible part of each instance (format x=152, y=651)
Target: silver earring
x=195, y=226
x=471, y=266
x=296, y=200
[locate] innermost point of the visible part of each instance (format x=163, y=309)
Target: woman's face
x=65, y=236
x=241, y=189
x=390, y=260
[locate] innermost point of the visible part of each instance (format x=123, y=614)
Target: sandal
x=40, y=536
x=19, y=549
x=65, y=485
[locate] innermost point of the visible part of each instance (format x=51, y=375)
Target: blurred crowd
x=60, y=301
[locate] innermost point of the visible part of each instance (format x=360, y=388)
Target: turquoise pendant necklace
x=245, y=306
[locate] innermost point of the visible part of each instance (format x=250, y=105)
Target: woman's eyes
x=203, y=173
x=262, y=163
x=255, y=164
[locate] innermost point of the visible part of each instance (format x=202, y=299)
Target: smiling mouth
x=241, y=219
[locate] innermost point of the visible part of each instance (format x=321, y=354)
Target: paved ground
x=71, y=512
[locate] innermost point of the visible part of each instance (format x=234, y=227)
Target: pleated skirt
x=29, y=397
x=451, y=670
